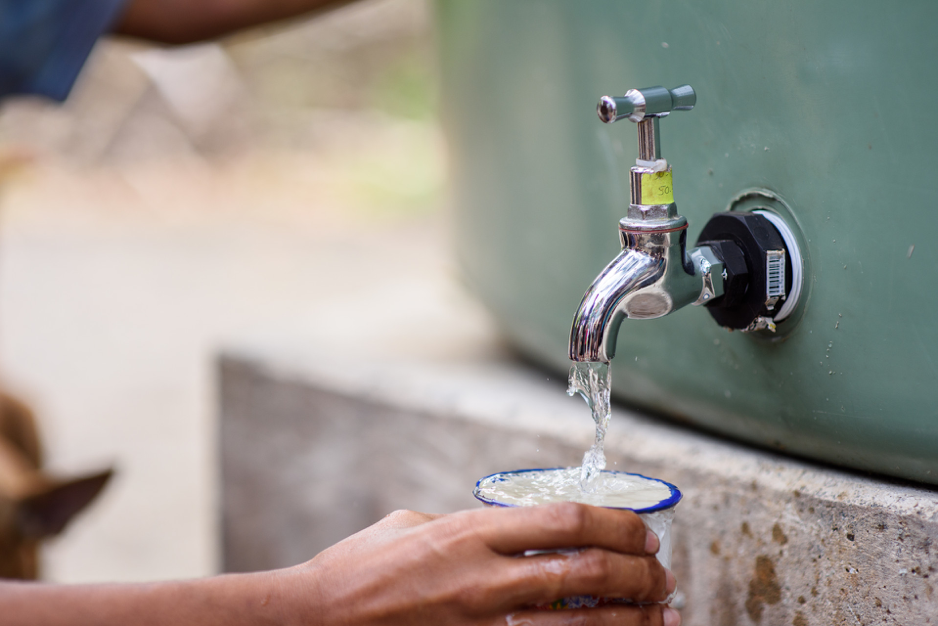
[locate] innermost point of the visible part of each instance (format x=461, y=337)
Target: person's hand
x=468, y=569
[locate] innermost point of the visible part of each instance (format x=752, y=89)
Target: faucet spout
x=604, y=305
x=652, y=277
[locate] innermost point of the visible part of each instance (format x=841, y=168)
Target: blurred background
x=182, y=196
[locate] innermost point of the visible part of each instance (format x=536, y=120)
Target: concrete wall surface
x=316, y=446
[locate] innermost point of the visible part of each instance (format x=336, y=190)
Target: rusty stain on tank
x=778, y=536
x=763, y=588
x=799, y=620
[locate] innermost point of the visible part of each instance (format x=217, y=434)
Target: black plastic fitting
x=742, y=241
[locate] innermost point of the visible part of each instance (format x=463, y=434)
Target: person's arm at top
x=189, y=21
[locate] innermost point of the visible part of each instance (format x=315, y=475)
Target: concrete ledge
x=315, y=447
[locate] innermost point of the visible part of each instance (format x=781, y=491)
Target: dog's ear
x=49, y=511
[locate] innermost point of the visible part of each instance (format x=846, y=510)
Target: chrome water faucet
x=655, y=274
x=747, y=266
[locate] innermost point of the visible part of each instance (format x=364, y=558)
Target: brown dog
x=33, y=505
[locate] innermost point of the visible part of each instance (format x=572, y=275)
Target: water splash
x=593, y=382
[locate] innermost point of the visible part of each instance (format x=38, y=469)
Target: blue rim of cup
x=667, y=503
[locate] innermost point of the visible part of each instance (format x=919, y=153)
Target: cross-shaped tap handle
x=637, y=104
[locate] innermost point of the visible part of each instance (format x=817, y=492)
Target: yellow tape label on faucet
x=657, y=188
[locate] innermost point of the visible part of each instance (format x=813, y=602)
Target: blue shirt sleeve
x=44, y=43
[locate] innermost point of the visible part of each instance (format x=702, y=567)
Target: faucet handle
x=638, y=104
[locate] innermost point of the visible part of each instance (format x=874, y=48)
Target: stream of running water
x=593, y=382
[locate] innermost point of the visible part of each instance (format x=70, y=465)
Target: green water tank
x=822, y=111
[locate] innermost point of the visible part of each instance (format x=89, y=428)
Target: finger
x=563, y=525
x=544, y=578
x=619, y=614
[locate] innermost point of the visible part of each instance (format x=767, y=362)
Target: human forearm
x=229, y=600
x=474, y=568
x=188, y=21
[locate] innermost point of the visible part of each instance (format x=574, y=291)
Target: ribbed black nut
x=751, y=236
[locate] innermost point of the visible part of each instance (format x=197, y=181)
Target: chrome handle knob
x=637, y=104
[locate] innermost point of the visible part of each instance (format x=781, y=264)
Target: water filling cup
x=652, y=499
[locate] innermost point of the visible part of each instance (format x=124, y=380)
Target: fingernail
x=671, y=617
x=651, y=543
x=672, y=582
